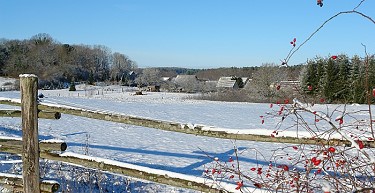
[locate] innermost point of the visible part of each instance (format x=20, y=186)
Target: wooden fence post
x=30, y=152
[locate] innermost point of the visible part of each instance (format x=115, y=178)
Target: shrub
x=72, y=87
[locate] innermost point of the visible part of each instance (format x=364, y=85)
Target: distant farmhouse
x=185, y=78
x=227, y=82
x=231, y=82
x=290, y=84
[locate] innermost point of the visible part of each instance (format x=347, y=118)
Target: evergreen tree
x=91, y=78
x=371, y=74
x=310, y=80
x=357, y=81
x=342, y=82
x=320, y=71
x=238, y=81
x=330, y=87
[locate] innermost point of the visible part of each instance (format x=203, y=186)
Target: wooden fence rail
x=14, y=145
x=159, y=176
x=185, y=128
x=41, y=114
x=155, y=175
x=15, y=182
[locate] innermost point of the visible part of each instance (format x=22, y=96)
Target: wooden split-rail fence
x=29, y=145
x=32, y=149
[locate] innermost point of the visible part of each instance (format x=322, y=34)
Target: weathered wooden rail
x=41, y=114
x=155, y=175
x=14, y=145
x=186, y=128
x=16, y=184
x=52, y=150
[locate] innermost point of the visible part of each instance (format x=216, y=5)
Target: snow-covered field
x=153, y=148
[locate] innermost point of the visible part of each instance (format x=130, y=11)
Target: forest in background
x=53, y=61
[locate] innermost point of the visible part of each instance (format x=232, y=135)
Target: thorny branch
x=354, y=11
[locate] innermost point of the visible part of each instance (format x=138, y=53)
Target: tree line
x=55, y=62
x=339, y=78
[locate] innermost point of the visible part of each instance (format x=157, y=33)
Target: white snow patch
x=27, y=75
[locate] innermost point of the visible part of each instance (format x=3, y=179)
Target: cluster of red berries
x=320, y=3
x=293, y=42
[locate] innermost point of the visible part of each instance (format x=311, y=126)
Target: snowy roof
x=185, y=78
x=226, y=82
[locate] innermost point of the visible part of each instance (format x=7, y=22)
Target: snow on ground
x=153, y=148
x=5, y=81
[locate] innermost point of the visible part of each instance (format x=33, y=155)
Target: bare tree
x=264, y=81
x=101, y=58
x=121, y=66
x=149, y=76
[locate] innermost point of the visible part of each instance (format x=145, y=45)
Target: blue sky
x=196, y=33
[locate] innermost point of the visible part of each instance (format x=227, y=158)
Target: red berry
x=317, y=162
x=239, y=185
x=332, y=149
x=295, y=147
x=360, y=144
x=334, y=57
x=340, y=120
